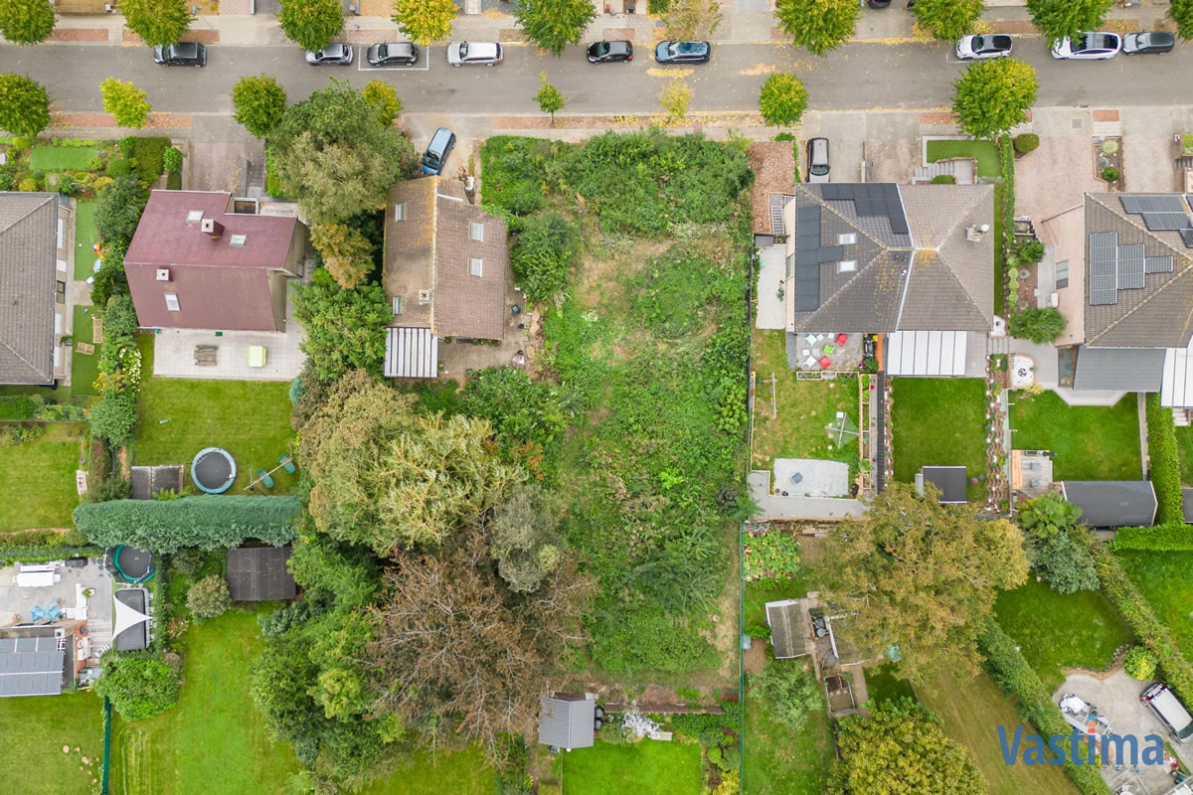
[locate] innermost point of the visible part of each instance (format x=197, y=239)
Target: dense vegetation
x=206, y=522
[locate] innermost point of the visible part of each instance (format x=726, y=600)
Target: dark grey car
x=186, y=53
x=1148, y=43
x=401, y=53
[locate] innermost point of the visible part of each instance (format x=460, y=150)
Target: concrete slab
x=772, y=312
x=817, y=478
x=1148, y=163
x=220, y=166
x=19, y=601
x=894, y=160
x=772, y=506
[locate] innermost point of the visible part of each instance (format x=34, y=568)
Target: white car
x=977, y=48
x=1088, y=47
x=461, y=53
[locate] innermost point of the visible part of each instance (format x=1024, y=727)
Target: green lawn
x=648, y=767
x=84, y=369
x=1184, y=443
x=37, y=480
x=34, y=732
x=989, y=164
x=758, y=594
x=1057, y=631
x=805, y=408
x=1166, y=581
x=884, y=684
x=458, y=772
x=179, y=417
x=1090, y=442
x=777, y=761
x=214, y=741
x=62, y=158
x=940, y=422
x=970, y=712
x=86, y=237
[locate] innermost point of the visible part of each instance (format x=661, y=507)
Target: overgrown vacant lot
x=179, y=417
x=777, y=761
x=34, y=732
x=804, y=408
x=940, y=422
x=647, y=767
x=1166, y=580
x=37, y=479
x=1090, y=442
x=1058, y=631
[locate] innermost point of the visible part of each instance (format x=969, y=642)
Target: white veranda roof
x=926, y=353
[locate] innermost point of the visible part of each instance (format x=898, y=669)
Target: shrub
x=172, y=160
x=149, y=154
x=783, y=100
x=17, y=407
x=207, y=522
x=1041, y=326
x=1140, y=664
x=791, y=691
x=118, y=210
x=1165, y=462
x=944, y=179
x=174, y=181
x=1110, y=174
x=758, y=631
x=188, y=561
x=543, y=256
x=616, y=733
x=21, y=142
x=208, y=598
x=114, y=417
x=1175, y=537
x=120, y=317
x=127, y=143
x=28, y=185
x=1066, y=564
x=1028, y=142
x=772, y=555
x=1030, y=251
x=119, y=167
x=138, y=687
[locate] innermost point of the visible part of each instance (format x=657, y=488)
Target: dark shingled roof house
x=1112, y=503
x=194, y=263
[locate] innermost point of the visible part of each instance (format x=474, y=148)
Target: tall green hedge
x=1165, y=462
x=36, y=553
x=1017, y=677
x=208, y=522
x=1162, y=538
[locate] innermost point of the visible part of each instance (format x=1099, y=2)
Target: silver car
x=1088, y=47
x=977, y=48
x=818, y=167
x=331, y=55
x=469, y=53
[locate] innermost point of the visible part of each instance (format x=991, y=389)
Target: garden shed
x=258, y=574
x=1112, y=503
x=788, y=632
x=148, y=481
x=949, y=480
x=567, y=721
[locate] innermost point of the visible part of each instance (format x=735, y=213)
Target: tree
x=26, y=21
x=1041, y=326
x=392, y=478
x=125, y=102
x=159, y=22
x=675, y=97
x=118, y=211
x=991, y=97
x=689, y=20
x=783, y=100
x=1139, y=663
x=384, y=99
x=524, y=542
x=1181, y=12
x=209, y=598
x=1064, y=19
x=554, y=24
x=454, y=643
x=921, y=577
x=549, y=98
x=260, y=104
x=311, y=24
x=818, y=26
x=345, y=328
x=347, y=255
x=948, y=20
x=1050, y=522
x=114, y=418
x=901, y=749
x=790, y=690
x=543, y=256
x=333, y=153
x=425, y=21
x=24, y=105
x=138, y=688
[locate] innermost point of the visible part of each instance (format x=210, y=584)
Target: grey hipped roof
x=1113, y=503
x=915, y=269
x=30, y=666
x=1131, y=369
x=28, y=272
x=950, y=480
x=258, y=574
x=566, y=723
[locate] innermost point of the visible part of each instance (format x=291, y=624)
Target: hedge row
x=1017, y=677
x=1162, y=537
x=37, y=553
x=208, y=522
x=1165, y=462
x=16, y=407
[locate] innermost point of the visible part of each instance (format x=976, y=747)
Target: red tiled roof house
x=194, y=263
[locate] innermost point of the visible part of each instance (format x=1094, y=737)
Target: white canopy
x=939, y=353
x=126, y=617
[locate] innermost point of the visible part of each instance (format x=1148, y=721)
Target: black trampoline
x=213, y=470
x=134, y=565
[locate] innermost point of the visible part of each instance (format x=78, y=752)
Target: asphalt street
x=861, y=76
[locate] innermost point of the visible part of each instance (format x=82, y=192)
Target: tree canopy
x=159, y=22
x=948, y=20
x=524, y=541
x=549, y=98
x=345, y=328
x=783, y=100
x=921, y=576
x=1055, y=547
x=24, y=105
x=688, y=20
x=1181, y=12
x=425, y=21
x=347, y=253
x=554, y=24
x=26, y=21
x=993, y=96
x=818, y=26
x=1061, y=19
x=311, y=24
x=139, y=688
x=125, y=102
x=260, y=103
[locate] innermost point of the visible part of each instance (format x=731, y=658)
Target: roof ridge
x=26, y=362
x=824, y=203
x=978, y=195
x=49, y=197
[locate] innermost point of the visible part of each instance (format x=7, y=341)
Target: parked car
x=878, y=3
x=818, y=160
x=1148, y=43
x=331, y=55
x=683, y=52
x=470, y=53
x=400, y=53
x=610, y=51
x=1088, y=47
x=1170, y=710
x=442, y=143
x=187, y=53
x=976, y=48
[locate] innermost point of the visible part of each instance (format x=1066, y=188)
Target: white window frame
x=398, y=304
x=847, y=239
x=477, y=232
x=847, y=266
x=172, y=306
x=476, y=266
x=238, y=240
x=400, y=212
x=61, y=233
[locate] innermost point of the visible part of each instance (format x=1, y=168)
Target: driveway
x=1148, y=163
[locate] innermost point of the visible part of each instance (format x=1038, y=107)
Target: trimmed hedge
x=149, y=154
x=1163, y=537
x=1028, y=142
x=31, y=553
x=207, y=522
x=1016, y=676
x=1165, y=462
x=17, y=407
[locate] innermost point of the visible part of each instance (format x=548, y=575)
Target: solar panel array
x=1131, y=262
x=870, y=200
x=1160, y=264
x=807, y=258
x=30, y=667
x=1134, y=205
x=1103, y=268
x=1162, y=214
x=1187, y=237
x=1166, y=222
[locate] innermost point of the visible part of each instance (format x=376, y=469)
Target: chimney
x=212, y=228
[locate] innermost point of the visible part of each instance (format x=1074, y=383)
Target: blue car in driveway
x=683, y=52
x=442, y=143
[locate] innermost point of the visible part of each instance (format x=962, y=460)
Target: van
x=438, y=150
x=1171, y=711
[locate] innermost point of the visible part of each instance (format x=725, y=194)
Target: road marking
x=362, y=62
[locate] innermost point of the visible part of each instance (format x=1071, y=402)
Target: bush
x=1041, y=326
x=944, y=179
x=21, y=142
x=17, y=407
x=37, y=553
x=208, y=598
x=616, y=733
x=1140, y=664
x=172, y=160
x=1175, y=537
x=208, y=522
x=138, y=687
x=758, y=631
x=1066, y=564
x=119, y=167
x=1028, y=142
x=1165, y=462
x=772, y=555
x=1030, y=251
x=188, y=561
x=1110, y=174
x=174, y=181
x=114, y=417
x=520, y=410
x=542, y=258
x=127, y=144
x=118, y=211
x=791, y=691
x=149, y=154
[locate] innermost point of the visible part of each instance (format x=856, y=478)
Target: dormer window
x=172, y=302
x=238, y=240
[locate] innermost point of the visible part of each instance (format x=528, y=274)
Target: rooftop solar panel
x=1131, y=267
x=1158, y=264
x=1165, y=221
x=1102, y=291
x=1130, y=205
x=1187, y=237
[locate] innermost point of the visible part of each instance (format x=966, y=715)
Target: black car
x=683, y=52
x=187, y=53
x=401, y=53
x=1148, y=43
x=610, y=51
x=879, y=3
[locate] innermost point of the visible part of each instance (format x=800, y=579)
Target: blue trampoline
x=213, y=470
